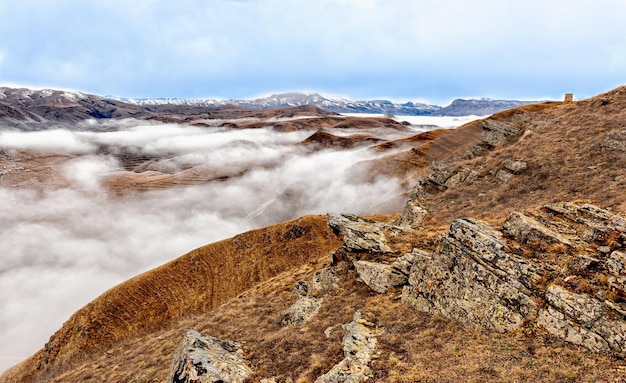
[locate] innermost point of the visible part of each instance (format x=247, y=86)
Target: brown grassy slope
x=197, y=281
x=411, y=347
x=574, y=151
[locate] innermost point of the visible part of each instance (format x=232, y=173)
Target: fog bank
x=62, y=248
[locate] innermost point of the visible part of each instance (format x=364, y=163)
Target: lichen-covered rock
x=527, y=229
x=412, y=215
x=473, y=277
x=478, y=275
x=379, y=277
x=363, y=235
x=584, y=320
x=515, y=166
x=207, y=359
x=494, y=132
x=302, y=310
x=616, y=266
x=309, y=298
x=358, y=344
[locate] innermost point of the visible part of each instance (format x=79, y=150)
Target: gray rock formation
x=309, y=298
x=207, y=359
x=527, y=229
x=473, y=277
x=412, y=215
x=361, y=235
x=515, y=166
x=477, y=275
x=358, y=344
x=381, y=277
x=494, y=132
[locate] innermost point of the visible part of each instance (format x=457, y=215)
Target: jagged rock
x=379, y=277
x=476, y=276
x=594, y=224
x=441, y=177
x=208, y=359
x=473, y=277
x=437, y=174
x=297, y=314
x=412, y=215
x=322, y=281
x=494, y=132
x=404, y=263
x=309, y=298
x=464, y=176
x=527, y=229
x=362, y=235
x=515, y=166
x=616, y=266
x=358, y=344
x=582, y=319
x=503, y=176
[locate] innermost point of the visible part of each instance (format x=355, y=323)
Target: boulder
x=361, y=235
x=207, y=359
x=412, y=215
x=379, y=277
x=358, y=344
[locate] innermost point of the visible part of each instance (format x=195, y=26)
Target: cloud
x=61, y=248
x=361, y=49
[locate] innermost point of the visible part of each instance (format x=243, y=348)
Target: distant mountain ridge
x=459, y=107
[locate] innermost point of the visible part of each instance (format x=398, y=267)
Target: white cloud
x=61, y=248
x=50, y=140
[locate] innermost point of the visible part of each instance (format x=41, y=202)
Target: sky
x=404, y=50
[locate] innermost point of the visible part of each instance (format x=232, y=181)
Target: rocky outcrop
x=412, y=215
x=494, y=132
x=527, y=229
x=362, y=235
x=207, y=359
x=358, y=344
x=561, y=268
x=473, y=277
x=309, y=298
x=381, y=277
x=477, y=275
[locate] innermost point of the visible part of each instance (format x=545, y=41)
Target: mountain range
x=459, y=107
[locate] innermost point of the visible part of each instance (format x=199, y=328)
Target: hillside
x=554, y=261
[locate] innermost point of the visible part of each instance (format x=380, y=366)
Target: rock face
x=207, y=359
x=474, y=278
x=561, y=267
x=494, y=132
x=358, y=344
x=478, y=276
